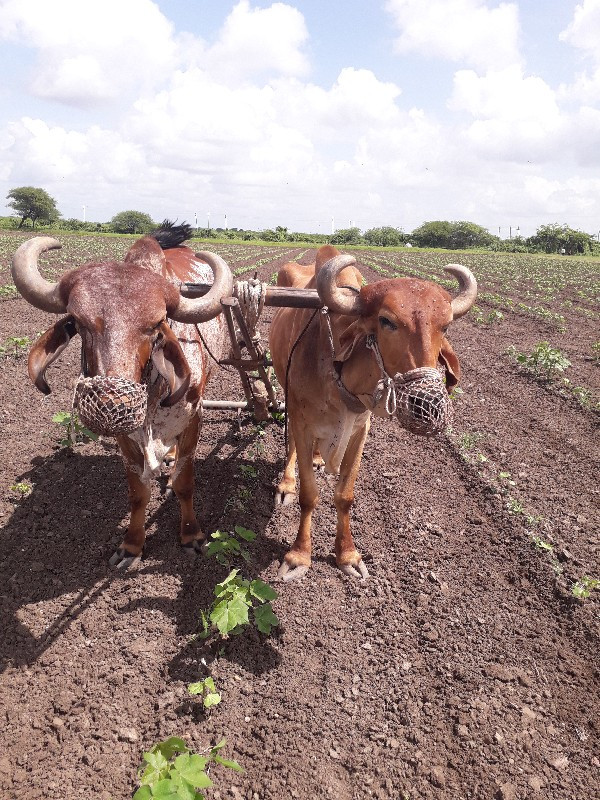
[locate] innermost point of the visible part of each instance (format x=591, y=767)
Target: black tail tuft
x=168, y=234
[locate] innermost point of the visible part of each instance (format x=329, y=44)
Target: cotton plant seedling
x=583, y=587
x=8, y=290
x=235, y=598
x=15, y=346
x=248, y=471
x=22, y=489
x=207, y=691
x=543, y=361
x=225, y=545
x=76, y=433
x=171, y=771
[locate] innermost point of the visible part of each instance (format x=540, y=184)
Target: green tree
x=555, y=238
x=347, y=236
x=384, y=237
x=452, y=235
x=30, y=202
x=131, y=222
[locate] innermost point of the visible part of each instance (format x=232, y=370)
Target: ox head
x=408, y=317
x=120, y=310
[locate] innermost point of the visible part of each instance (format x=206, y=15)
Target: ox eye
x=387, y=323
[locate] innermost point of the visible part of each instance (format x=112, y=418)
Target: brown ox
x=135, y=325
x=329, y=404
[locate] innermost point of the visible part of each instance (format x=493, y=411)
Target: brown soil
x=463, y=668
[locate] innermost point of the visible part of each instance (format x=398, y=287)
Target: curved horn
x=333, y=296
x=202, y=309
x=26, y=275
x=468, y=289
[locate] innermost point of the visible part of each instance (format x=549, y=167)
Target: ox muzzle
x=418, y=399
x=109, y=405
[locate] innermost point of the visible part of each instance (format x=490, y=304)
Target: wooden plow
x=242, y=312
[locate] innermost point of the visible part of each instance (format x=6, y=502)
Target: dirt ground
x=463, y=668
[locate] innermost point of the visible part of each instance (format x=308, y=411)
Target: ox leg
x=286, y=490
x=182, y=482
x=297, y=561
x=129, y=551
x=347, y=557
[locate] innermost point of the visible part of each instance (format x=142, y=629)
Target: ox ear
x=356, y=331
x=169, y=360
x=47, y=349
x=449, y=359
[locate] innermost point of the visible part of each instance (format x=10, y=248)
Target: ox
x=137, y=330
x=332, y=364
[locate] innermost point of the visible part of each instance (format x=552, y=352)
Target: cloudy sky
x=302, y=112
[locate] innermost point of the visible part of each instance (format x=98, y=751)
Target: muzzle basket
x=423, y=406
x=110, y=406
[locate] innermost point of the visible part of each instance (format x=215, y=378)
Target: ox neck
x=357, y=378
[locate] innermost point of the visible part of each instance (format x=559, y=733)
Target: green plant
x=76, y=433
x=584, y=587
x=23, y=488
x=235, y=598
x=539, y=542
x=248, y=471
x=227, y=545
x=595, y=348
x=207, y=690
x=8, y=290
x=15, y=344
x=514, y=506
x=543, y=360
x=173, y=772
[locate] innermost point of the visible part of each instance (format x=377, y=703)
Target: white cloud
x=583, y=33
x=91, y=52
x=466, y=31
x=258, y=42
x=584, y=29
x=516, y=117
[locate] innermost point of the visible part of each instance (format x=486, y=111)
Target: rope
x=251, y=296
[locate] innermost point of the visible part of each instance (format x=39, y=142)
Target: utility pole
x=332, y=226
x=84, y=213
x=208, y=219
x=195, y=219
x=225, y=221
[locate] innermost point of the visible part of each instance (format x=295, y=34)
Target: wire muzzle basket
x=109, y=405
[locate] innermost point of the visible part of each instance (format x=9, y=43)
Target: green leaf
x=171, y=746
x=196, y=688
x=228, y=614
x=223, y=586
x=156, y=759
x=165, y=790
x=192, y=768
x=143, y=793
x=218, y=746
x=262, y=591
x=209, y=683
x=245, y=534
x=227, y=763
x=211, y=699
x=265, y=618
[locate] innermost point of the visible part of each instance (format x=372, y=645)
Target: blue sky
x=306, y=114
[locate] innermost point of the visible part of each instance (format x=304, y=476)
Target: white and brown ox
x=390, y=328
x=136, y=327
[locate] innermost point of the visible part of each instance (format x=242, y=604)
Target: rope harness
x=417, y=398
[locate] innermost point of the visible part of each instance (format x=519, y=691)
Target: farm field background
x=464, y=667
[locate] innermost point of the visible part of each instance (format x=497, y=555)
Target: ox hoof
x=284, y=498
x=192, y=549
x=358, y=571
x=287, y=573
x=121, y=559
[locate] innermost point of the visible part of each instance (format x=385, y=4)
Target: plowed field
x=465, y=667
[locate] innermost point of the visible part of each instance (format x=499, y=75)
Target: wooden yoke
x=277, y=296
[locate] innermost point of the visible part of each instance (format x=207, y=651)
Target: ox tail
x=168, y=234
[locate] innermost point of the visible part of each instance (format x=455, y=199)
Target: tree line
x=35, y=206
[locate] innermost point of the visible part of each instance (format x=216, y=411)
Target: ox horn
x=468, y=289
x=202, y=309
x=332, y=295
x=26, y=275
